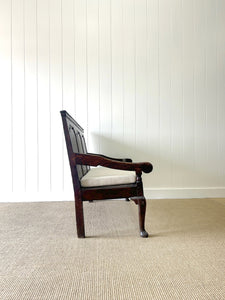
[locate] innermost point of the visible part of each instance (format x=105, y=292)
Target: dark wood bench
x=116, y=178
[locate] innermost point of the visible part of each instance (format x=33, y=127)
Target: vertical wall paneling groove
x=220, y=84
x=57, y=138
x=111, y=61
x=153, y=85
x=30, y=95
x=93, y=74
x=11, y=91
x=211, y=90
x=37, y=97
x=188, y=57
x=194, y=93
x=74, y=58
x=177, y=94
x=81, y=63
x=200, y=64
x=105, y=87
x=159, y=86
x=25, y=99
x=216, y=84
x=62, y=93
x=117, y=88
x=98, y=83
x=86, y=57
x=144, y=78
x=18, y=95
x=217, y=88
x=6, y=120
x=165, y=90
x=50, y=96
x=147, y=49
x=141, y=77
x=129, y=78
x=68, y=72
x=135, y=73
x=43, y=94
x=123, y=55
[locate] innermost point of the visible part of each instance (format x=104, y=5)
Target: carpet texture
x=184, y=257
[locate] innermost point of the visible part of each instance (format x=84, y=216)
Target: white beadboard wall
x=145, y=78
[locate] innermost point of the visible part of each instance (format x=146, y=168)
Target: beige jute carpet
x=184, y=257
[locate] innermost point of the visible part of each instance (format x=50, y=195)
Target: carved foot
x=144, y=234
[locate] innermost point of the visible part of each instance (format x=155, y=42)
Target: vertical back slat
x=76, y=149
x=81, y=150
x=85, y=150
x=74, y=135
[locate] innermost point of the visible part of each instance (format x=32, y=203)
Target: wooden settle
x=81, y=161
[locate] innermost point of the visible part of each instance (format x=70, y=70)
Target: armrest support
x=97, y=160
x=118, y=159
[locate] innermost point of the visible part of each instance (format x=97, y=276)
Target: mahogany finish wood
x=80, y=161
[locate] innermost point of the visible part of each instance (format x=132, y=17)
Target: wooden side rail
x=99, y=160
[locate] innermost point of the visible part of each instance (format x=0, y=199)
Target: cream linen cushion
x=101, y=176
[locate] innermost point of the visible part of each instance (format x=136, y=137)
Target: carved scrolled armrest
x=99, y=160
x=118, y=159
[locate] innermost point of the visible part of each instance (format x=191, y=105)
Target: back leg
x=79, y=218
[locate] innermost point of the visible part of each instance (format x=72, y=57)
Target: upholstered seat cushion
x=102, y=176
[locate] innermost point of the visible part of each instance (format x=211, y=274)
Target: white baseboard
x=184, y=193
x=150, y=193
x=37, y=197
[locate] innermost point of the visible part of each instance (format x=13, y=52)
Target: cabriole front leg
x=142, y=210
x=141, y=202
